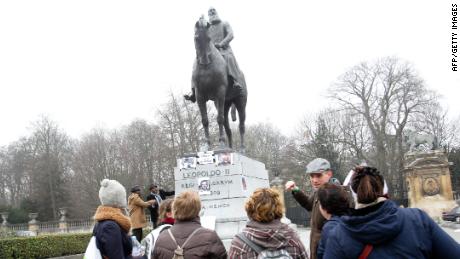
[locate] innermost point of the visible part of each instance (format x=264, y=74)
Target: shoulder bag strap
x=188, y=238
x=172, y=237
x=366, y=251
x=251, y=244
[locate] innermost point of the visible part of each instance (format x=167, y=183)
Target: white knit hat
x=112, y=194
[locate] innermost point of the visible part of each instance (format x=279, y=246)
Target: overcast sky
x=95, y=63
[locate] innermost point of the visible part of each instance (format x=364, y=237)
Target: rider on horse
x=221, y=35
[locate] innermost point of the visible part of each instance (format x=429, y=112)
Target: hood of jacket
x=377, y=227
x=269, y=235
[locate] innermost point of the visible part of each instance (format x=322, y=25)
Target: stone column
x=63, y=227
x=33, y=223
x=5, y=219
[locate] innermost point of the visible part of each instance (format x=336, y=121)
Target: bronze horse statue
x=211, y=82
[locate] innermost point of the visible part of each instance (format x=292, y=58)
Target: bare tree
x=50, y=166
x=386, y=94
x=435, y=121
x=90, y=165
x=265, y=143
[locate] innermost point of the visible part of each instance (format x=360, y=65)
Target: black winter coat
x=112, y=241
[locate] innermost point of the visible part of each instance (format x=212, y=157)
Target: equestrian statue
x=217, y=77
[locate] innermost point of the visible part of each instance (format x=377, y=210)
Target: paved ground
x=304, y=234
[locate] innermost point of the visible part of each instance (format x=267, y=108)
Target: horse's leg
x=219, y=103
x=228, y=130
x=241, y=107
x=204, y=120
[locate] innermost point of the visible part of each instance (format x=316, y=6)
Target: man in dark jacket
x=319, y=171
x=158, y=195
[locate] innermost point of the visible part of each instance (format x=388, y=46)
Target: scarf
x=168, y=221
x=115, y=214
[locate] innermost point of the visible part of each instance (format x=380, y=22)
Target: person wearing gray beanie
x=112, y=225
x=112, y=194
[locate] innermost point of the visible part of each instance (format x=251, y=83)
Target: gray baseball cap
x=318, y=165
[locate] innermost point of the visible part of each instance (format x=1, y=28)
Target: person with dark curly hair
x=333, y=203
x=378, y=228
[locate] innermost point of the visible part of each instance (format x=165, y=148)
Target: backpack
x=263, y=253
x=179, y=252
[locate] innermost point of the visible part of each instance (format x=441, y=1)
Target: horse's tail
x=233, y=112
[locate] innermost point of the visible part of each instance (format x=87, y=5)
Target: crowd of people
x=354, y=221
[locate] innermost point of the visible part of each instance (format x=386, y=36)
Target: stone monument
x=224, y=179
x=428, y=181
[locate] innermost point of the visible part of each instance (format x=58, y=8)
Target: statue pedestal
x=428, y=182
x=224, y=181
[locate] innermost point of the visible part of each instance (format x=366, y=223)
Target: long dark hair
x=367, y=183
x=334, y=199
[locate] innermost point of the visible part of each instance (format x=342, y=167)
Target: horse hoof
x=191, y=98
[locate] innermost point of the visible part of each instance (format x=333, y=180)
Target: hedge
x=44, y=246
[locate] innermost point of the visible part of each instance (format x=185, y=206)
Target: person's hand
x=152, y=202
x=218, y=45
x=290, y=185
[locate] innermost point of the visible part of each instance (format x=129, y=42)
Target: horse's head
x=202, y=41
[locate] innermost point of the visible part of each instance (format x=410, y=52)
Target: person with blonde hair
x=186, y=237
x=264, y=233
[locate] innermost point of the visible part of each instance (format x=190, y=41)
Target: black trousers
x=137, y=232
x=154, y=218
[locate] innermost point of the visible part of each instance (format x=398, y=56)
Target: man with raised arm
x=319, y=171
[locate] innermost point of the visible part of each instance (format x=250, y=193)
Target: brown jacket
x=136, y=211
x=203, y=244
x=317, y=220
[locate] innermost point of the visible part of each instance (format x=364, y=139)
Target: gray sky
x=104, y=63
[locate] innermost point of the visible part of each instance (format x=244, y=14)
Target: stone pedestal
x=428, y=182
x=33, y=223
x=223, y=187
x=4, y=219
x=63, y=227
